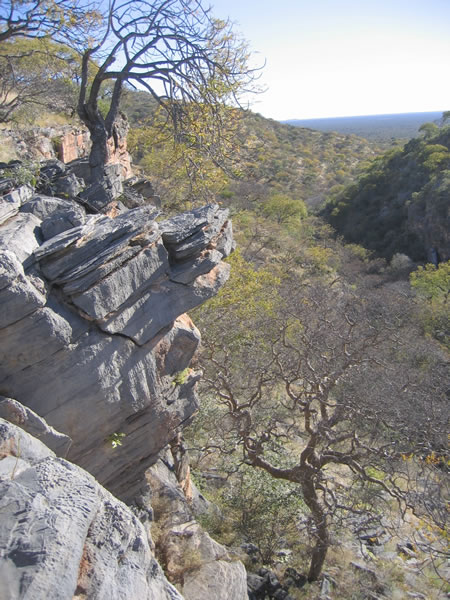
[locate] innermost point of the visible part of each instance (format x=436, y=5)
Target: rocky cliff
x=95, y=348
x=65, y=143
x=63, y=536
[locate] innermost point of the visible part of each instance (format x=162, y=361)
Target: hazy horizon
x=397, y=114
x=332, y=59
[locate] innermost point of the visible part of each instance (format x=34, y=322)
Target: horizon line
x=418, y=112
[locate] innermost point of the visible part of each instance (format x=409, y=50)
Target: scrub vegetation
x=322, y=435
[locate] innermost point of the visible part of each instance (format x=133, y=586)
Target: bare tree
x=192, y=64
x=175, y=50
x=41, y=18
x=333, y=386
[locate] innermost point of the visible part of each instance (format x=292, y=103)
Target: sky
x=331, y=58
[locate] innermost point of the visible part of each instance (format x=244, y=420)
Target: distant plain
x=380, y=128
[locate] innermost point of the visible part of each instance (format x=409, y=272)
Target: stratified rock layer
x=93, y=330
x=63, y=536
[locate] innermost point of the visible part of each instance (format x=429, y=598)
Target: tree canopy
x=175, y=50
x=60, y=19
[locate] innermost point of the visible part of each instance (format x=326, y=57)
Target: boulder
x=10, y=203
x=264, y=585
x=29, y=421
x=138, y=191
x=159, y=305
x=73, y=540
x=61, y=221
x=98, y=195
x=57, y=214
x=21, y=235
x=68, y=186
x=202, y=567
x=50, y=170
x=188, y=234
x=42, y=207
x=18, y=296
x=220, y=580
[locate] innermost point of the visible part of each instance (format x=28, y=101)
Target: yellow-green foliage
x=181, y=377
x=433, y=288
x=432, y=282
x=284, y=209
x=248, y=301
x=435, y=156
x=115, y=439
x=40, y=75
x=323, y=259
x=255, y=506
x=184, y=164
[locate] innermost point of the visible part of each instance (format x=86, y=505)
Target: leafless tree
x=192, y=64
x=41, y=18
x=335, y=388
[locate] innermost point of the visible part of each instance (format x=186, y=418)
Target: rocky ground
x=95, y=351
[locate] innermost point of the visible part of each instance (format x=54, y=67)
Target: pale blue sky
x=329, y=58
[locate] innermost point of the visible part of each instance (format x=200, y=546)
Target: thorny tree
x=332, y=383
x=175, y=50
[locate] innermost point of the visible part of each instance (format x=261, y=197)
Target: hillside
x=401, y=202
x=312, y=416
x=299, y=161
x=207, y=391
x=263, y=158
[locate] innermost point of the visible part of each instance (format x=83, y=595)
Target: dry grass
x=7, y=150
x=52, y=120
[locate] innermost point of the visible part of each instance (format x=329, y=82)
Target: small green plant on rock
x=115, y=439
x=26, y=173
x=181, y=376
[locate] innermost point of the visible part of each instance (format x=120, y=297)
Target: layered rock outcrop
x=66, y=143
x=93, y=330
x=95, y=352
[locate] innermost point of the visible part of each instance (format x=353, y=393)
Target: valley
x=225, y=339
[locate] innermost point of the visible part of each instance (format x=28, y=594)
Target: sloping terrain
x=401, y=203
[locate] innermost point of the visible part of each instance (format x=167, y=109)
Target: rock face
x=67, y=144
x=29, y=421
x=93, y=330
x=202, y=568
x=95, y=348
x=74, y=540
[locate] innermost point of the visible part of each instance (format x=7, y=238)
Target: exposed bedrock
x=93, y=324
x=63, y=536
x=202, y=568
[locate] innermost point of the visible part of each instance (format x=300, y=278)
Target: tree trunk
x=98, y=156
x=320, y=521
